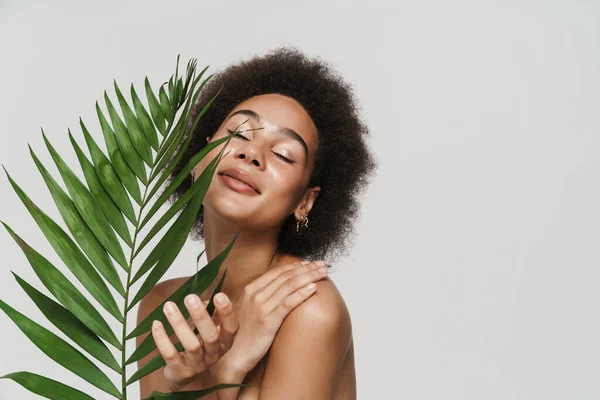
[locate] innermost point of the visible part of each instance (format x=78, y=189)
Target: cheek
x=201, y=166
x=286, y=189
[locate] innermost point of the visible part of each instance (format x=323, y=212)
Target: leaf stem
x=126, y=304
x=131, y=257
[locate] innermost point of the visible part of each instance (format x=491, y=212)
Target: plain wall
x=475, y=269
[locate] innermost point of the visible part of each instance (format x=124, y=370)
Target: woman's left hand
x=200, y=351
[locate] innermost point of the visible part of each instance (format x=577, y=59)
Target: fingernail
x=220, y=299
x=321, y=263
x=304, y=262
x=323, y=270
x=192, y=301
x=155, y=324
x=170, y=308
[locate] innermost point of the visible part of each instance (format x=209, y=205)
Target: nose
x=250, y=154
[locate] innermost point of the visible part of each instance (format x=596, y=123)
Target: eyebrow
x=292, y=134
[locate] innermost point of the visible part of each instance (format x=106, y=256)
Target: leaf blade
x=155, y=110
x=122, y=167
x=109, y=178
x=174, y=238
x=183, y=174
x=194, y=394
x=88, y=208
x=109, y=208
x=79, y=229
x=144, y=120
x=165, y=103
x=70, y=325
x=137, y=136
x=46, y=387
x=60, y=351
x=132, y=157
x=73, y=258
x=65, y=292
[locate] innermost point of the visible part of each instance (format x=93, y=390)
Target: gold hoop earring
x=303, y=222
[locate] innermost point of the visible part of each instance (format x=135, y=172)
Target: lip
x=241, y=179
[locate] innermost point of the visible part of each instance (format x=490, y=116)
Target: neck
x=252, y=255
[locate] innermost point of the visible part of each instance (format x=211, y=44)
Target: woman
x=301, y=153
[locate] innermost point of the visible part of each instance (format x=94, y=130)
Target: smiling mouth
x=238, y=185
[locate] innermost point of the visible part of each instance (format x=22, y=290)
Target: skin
x=288, y=341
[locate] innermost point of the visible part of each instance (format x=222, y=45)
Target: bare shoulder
x=323, y=315
x=322, y=320
x=326, y=305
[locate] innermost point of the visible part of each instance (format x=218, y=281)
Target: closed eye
x=284, y=158
x=238, y=135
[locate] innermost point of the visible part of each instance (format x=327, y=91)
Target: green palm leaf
x=144, y=120
x=89, y=209
x=108, y=206
x=192, y=395
x=165, y=103
x=117, y=157
x=61, y=351
x=71, y=255
x=95, y=215
x=68, y=323
x=142, y=145
x=157, y=114
x=110, y=178
x=184, y=174
x=132, y=156
x=65, y=292
x=172, y=142
x=46, y=387
x=169, y=246
x=166, y=171
x=80, y=231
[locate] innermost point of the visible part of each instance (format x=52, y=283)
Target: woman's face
x=275, y=161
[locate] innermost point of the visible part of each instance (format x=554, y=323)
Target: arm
x=308, y=352
x=226, y=371
x=264, y=305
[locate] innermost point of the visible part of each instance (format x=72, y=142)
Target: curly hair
x=343, y=161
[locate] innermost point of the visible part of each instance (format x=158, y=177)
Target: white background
x=475, y=270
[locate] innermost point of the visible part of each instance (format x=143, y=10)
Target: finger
x=271, y=274
x=229, y=322
x=214, y=316
x=291, y=282
x=182, y=329
x=206, y=327
x=163, y=343
x=292, y=301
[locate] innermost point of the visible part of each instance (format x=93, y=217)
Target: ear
x=208, y=139
x=306, y=203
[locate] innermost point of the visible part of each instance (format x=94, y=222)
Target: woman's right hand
x=200, y=351
x=263, y=306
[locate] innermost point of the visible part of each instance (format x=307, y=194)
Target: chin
x=230, y=207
